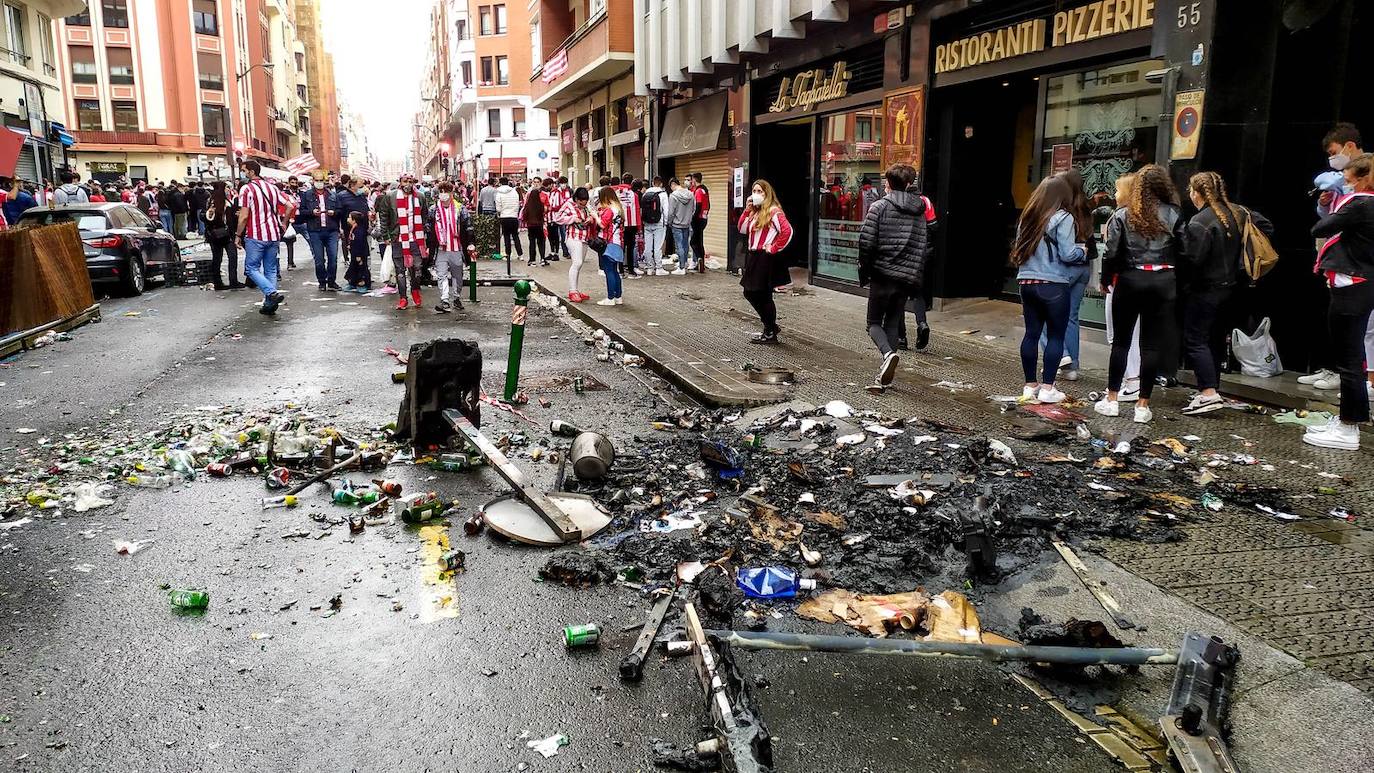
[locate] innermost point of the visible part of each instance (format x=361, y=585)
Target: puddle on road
x=438, y=593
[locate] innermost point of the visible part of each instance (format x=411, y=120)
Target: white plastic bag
x=1257, y=353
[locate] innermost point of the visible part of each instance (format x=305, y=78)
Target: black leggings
x=217, y=250
x=1205, y=351
x=538, y=249
x=1147, y=296
x=1348, y=320
x=886, y=306
x=762, y=301
x=510, y=232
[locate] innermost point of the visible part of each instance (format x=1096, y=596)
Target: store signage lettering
x=1074, y=25
x=807, y=89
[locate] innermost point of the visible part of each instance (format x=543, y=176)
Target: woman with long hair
x=610, y=216
x=533, y=217
x=1144, y=241
x=1082, y=214
x=1213, y=244
x=221, y=220
x=577, y=221
x=1130, y=384
x=767, y=232
x=1049, y=259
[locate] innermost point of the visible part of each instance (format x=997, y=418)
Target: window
x=500, y=19
x=537, y=51
x=467, y=73
x=300, y=58
x=114, y=13
x=462, y=29
x=205, y=17
x=595, y=7
x=211, y=71
x=121, y=65
x=863, y=129
x=88, y=115
x=136, y=174
x=517, y=117
x=83, y=64
x=212, y=124
x=82, y=19
x=45, y=49
x=502, y=71
x=484, y=20
x=125, y=116
x=488, y=71
x=14, y=34
x=494, y=122
x=300, y=92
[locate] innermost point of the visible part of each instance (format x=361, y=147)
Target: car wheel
x=134, y=281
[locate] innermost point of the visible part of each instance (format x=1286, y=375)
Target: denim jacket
x=1057, y=258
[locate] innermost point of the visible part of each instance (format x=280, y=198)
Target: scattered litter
x=1001, y=451
x=851, y=440
x=90, y=496
x=1276, y=514
x=130, y=547
x=26, y=430
x=1304, y=418
x=954, y=386
x=548, y=747
x=838, y=409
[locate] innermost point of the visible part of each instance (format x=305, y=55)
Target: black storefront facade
x=992, y=96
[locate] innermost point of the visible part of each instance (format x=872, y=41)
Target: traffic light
x=444, y=157
x=239, y=147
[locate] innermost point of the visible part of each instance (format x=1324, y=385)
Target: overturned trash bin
x=440, y=374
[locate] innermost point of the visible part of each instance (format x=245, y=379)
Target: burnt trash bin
x=440, y=374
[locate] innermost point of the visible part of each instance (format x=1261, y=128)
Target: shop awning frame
x=696, y=127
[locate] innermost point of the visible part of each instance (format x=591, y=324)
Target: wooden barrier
x=43, y=276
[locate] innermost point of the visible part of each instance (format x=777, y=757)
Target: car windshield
x=85, y=221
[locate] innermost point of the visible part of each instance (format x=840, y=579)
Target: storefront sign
x=1074, y=25
x=107, y=167
x=1061, y=158
x=1187, y=125
x=808, y=88
x=567, y=140
x=904, y=115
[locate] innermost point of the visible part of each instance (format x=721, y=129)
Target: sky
x=384, y=89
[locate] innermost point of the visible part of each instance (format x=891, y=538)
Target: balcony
x=115, y=138
x=600, y=50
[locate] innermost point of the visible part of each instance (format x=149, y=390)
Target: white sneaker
x=1069, y=375
x=1128, y=393
x=605, y=302
x=691, y=265
x=1341, y=436
x=1201, y=404
x=1065, y=361
x=1327, y=427
x=1107, y=407
x=1327, y=384
x=888, y=370
x=1325, y=374
x=1049, y=395
x=1028, y=393
x=620, y=301
x=1143, y=415
x=678, y=271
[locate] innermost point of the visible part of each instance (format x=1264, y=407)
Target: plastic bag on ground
x=1258, y=354
x=89, y=496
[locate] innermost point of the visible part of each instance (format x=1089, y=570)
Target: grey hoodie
x=70, y=193
x=681, y=206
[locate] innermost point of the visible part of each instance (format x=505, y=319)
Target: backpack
x=651, y=209
x=1257, y=253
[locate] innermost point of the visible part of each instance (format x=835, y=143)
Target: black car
x=123, y=246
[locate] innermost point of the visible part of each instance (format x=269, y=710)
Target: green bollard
x=518, y=313
x=472, y=281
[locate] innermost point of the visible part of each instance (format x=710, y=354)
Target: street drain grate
x=553, y=383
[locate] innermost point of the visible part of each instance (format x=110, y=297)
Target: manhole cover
x=552, y=383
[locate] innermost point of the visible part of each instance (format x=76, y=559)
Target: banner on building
x=904, y=117
x=1187, y=125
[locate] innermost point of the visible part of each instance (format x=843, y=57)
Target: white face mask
x=1339, y=162
x=319, y=186
x=445, y=196
x=756, y=199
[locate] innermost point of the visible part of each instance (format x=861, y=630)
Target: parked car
x=123, y=246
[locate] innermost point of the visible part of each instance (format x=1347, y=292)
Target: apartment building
x=321, y=95
x=166, y=89
x=353, y=146
x=436, y=102
x=31, y=102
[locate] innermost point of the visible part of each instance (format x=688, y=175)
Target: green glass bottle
x=190, y=598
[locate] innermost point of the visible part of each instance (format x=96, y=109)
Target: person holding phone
x=767, y=232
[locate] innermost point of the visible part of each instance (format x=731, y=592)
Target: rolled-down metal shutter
x=27, y=168
x=715, y=173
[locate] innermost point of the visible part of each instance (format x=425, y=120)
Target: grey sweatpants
x=448, y=269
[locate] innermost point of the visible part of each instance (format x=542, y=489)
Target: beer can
x=581, y=635
x=191, y=598
x=679, y=648
x=219, y=470
x=453, y=560
x=278, y=478
x=399, y=377
x=579, y=385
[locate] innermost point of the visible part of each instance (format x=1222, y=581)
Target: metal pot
x=592, y=455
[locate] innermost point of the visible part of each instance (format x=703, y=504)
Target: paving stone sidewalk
x=1306, y=587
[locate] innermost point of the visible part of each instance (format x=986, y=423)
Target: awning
x=694, y=127
x=63, y=135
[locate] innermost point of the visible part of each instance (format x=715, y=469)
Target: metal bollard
x=518, y=313
x=472, y=280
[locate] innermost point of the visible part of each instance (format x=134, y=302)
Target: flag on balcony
x=366, y=172
x=556, y=66
x=301, y=164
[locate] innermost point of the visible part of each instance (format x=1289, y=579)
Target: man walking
x=680, y=216
x=176, y=201
x=261, y=223
x=892, y=256
x=199, y=197
x=400, y=218
x=453, y=231
x=703, y=212
x=69, y=192
x=508, y=211
x=320, y=211
x=652, y=206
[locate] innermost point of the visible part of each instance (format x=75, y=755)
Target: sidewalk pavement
x=1305, y=587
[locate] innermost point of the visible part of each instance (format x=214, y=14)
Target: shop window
x=88, y=115
x=138, y=174
x=121, y=65
x=114, y=13
x=83, y=64
x=125, y=116
x=851, y=179
x=205, y=17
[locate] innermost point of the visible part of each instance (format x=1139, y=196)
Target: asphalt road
x=98, y=673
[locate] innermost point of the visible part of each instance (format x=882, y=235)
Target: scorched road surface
x=414, y=671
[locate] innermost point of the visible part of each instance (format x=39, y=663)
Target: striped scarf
x=409, y=225
x=446, y=226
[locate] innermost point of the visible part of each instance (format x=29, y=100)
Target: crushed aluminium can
x=588, y=635
x=453, y=560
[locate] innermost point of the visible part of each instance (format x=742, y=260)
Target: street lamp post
x=229, y=119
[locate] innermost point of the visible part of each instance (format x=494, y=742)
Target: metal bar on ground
x=996, y=653
x=1094, y=585
x=632, y=666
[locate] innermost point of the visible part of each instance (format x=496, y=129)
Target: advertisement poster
x=904, y=115
x=1187, y=125
x=1061, y=158
x=739, y=187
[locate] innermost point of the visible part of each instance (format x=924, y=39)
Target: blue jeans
x=260, y=264
x=1045, y=308
x=165, y=215
x=610, y=266
x=324, y=246
x=682, y=239
x=1071, y=343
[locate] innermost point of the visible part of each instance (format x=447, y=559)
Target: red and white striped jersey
x=773, y=238
x=612, y=226
x=630, y=201
x=575, y=217
x=556, y=198
x=259, y=202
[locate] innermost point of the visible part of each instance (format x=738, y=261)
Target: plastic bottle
x=771, y=582
x=40, y=498
x=182, y=461
x=150, y=481
x=286, y=500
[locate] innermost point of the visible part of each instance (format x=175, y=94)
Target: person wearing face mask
x=453, y=233
x=320, y=210
x=400, y=218
x=892, y=258
x=766, y=232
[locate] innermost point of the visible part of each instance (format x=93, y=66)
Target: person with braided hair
x=1144, y=240
x=1212, y=250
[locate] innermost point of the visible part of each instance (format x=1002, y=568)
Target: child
x=359, y=274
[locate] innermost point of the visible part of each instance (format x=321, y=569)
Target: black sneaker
x=764, y=338
x=922, y=337
x=458, y=303
x=902, y=344
x=442, y=308
x=332, y=286
x=323, y=287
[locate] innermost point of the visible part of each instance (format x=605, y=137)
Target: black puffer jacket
x=893, y=242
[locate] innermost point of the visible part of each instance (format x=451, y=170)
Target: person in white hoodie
x=69, y=192
x=653, y=208
x=508, y=211
x=682, y=206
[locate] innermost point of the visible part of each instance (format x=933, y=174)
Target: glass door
x=850, y=180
